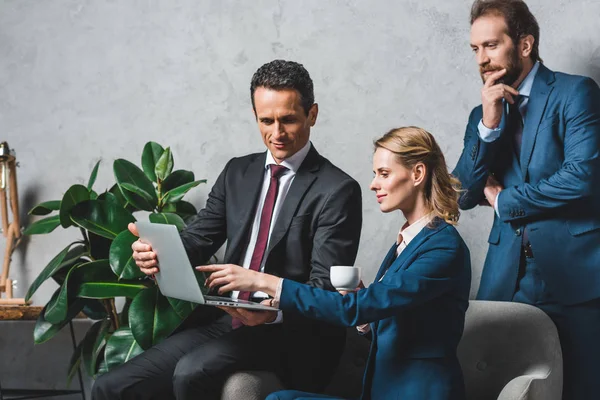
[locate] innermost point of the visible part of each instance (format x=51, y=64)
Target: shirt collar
x=409, y=232
x=525, y=86
x=292, y=163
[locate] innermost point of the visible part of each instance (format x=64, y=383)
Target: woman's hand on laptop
x=143, y=255
x=233, y=277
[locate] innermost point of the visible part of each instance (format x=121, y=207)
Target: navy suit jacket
x=416, y=313
x=552, y=190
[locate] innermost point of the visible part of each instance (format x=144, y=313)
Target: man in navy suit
x=532, y=152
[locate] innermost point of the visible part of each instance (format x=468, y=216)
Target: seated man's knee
x=103, y=388
x=190, y=376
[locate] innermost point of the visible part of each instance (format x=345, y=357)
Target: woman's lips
x=380, y=197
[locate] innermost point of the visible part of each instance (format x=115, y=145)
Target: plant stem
x=109, y=305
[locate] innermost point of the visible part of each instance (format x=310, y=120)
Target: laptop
x=176, y=277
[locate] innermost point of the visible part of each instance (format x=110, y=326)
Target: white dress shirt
x=285, y=182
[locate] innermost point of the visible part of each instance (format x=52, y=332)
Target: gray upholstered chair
x=509, y=351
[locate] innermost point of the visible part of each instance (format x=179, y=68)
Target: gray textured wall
x=88, y=80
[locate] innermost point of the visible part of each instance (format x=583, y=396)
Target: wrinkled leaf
x=177, y=194
x=65, y=259
x=127, y=172
x=44, y=225
x=151, y=317
x=120, y=348
x=103, y=218
x=167, y=219
x=121, y=256
x=75, y=195
x=45, y=208
x=93, y=176
x=150, y=155
x=164, y=165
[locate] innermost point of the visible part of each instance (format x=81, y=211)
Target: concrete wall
x=87, y=80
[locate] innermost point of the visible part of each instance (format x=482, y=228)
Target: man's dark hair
x=519, y=20
x=281, y=74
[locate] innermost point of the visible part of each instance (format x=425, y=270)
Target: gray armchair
x=509, y=351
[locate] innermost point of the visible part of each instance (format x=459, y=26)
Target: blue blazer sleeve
x=581, y=167
x=473, y=167
x=433, y=271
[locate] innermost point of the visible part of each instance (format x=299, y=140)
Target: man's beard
x=514, y=67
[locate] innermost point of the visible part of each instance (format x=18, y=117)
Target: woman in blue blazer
x=415, y=308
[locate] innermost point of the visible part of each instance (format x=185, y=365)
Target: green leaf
x=121, y=256
x=65, y=259
x=127, y=172
x=44, y=225
x=45, y=208
x=167, y=219
x=75, y=195
x=120, y=348
x=181, y=307
x=118, y=197
x=176, y=179
x=74, y=363
x=44, y=330
x=103, y=218
x=94, y=309
x=164, y=165
x=93, y=343
x=92, y=271
x=151, y=317
x=107, y=290
x=137, y=191
x=184, y=209
x=93, y=176
x=174, y=195
x=150, y=155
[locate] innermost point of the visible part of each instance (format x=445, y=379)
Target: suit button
x=518, y=232
x=481, y=365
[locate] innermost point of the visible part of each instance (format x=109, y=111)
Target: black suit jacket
x=318, y=226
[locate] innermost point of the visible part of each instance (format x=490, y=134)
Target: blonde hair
x=412, y=145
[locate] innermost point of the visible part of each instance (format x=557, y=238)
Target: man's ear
x=313, y=112
x=419, y=172
x=526, y=46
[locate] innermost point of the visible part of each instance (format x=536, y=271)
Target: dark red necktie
x=263, y=229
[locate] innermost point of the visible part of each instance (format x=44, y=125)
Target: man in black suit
x=288, y=212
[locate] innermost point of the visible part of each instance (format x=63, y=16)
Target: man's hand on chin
x=251, y=317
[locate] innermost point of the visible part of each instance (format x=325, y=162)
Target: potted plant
x=95, y=270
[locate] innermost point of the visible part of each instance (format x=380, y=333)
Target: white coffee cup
x=344, y=277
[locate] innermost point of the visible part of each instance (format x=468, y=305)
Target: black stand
x=22, y=394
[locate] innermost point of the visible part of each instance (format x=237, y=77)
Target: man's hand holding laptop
x=147, y=261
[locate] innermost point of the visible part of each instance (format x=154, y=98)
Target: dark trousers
x=194, y=363
x=298, y=395
x=578, y=329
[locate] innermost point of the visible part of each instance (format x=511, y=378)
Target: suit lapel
x=387, y=261
x=414, y=244
x=538, y=99
x=304, y=178
x=245, y=205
